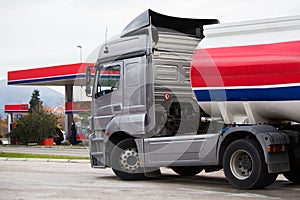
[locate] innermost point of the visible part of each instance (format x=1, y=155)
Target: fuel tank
x=249, y=72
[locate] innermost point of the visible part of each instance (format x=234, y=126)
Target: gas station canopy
x=61, y=75
x=16, y=108
x=68, y=75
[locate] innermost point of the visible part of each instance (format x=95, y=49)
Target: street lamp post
x=80, y=47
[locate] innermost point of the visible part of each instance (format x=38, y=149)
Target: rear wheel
x=244, y=165
x=187, y=170
x=125, y=161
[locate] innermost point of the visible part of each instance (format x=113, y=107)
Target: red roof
x=61, y=75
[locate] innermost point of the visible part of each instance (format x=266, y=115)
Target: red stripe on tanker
x=265, y=64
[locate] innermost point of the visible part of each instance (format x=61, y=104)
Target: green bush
x=35, y=127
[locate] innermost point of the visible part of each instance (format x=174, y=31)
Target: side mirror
x=88, y=89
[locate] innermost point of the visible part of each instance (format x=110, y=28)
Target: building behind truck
x=193, y=95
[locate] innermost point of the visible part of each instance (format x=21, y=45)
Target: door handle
x=117, y=108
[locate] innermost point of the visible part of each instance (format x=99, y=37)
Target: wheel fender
x=113, y=126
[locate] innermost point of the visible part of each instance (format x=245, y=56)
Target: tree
x=3, y=127
x=37, y=125
x=35, y=103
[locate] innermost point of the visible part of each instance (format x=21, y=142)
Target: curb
x=44, y=160
x=44, y=147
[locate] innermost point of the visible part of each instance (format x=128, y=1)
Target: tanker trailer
x=248, y=74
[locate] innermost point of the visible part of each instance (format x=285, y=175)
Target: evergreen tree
x=35, y=103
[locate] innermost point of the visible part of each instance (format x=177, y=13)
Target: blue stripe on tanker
x=249, y=94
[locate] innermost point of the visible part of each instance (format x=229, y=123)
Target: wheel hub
x=129, y=160
x=246, y=164
x=241, y=164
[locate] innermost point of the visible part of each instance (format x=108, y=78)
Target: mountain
x=22, y=94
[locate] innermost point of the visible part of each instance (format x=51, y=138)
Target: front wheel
x=244, y=165
x=125, y=161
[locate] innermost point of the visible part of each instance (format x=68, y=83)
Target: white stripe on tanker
x=251, y=32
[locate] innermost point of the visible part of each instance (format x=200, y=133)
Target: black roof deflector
x=183, y=25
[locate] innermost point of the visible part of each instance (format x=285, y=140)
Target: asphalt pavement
x=74, y=179
x=53, y=180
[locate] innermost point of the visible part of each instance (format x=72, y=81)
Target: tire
x=125, y=162
x=187, y=170
x=245, y=167
x=293, y=176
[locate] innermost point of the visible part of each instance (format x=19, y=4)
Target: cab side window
x=108, y=79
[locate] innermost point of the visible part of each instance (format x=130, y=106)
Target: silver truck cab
x=141, y=87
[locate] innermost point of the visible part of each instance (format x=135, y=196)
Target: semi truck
x=194, y=95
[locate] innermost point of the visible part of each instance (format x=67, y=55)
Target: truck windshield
x=108, y=79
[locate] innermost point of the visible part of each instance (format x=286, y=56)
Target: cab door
x=108, y=94
x=133, y=118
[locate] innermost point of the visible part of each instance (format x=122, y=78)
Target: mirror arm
x=88, y=81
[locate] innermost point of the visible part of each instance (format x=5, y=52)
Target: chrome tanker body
x=249, y=72
x=193, y=95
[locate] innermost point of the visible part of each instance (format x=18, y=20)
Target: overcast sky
x=38, y=33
